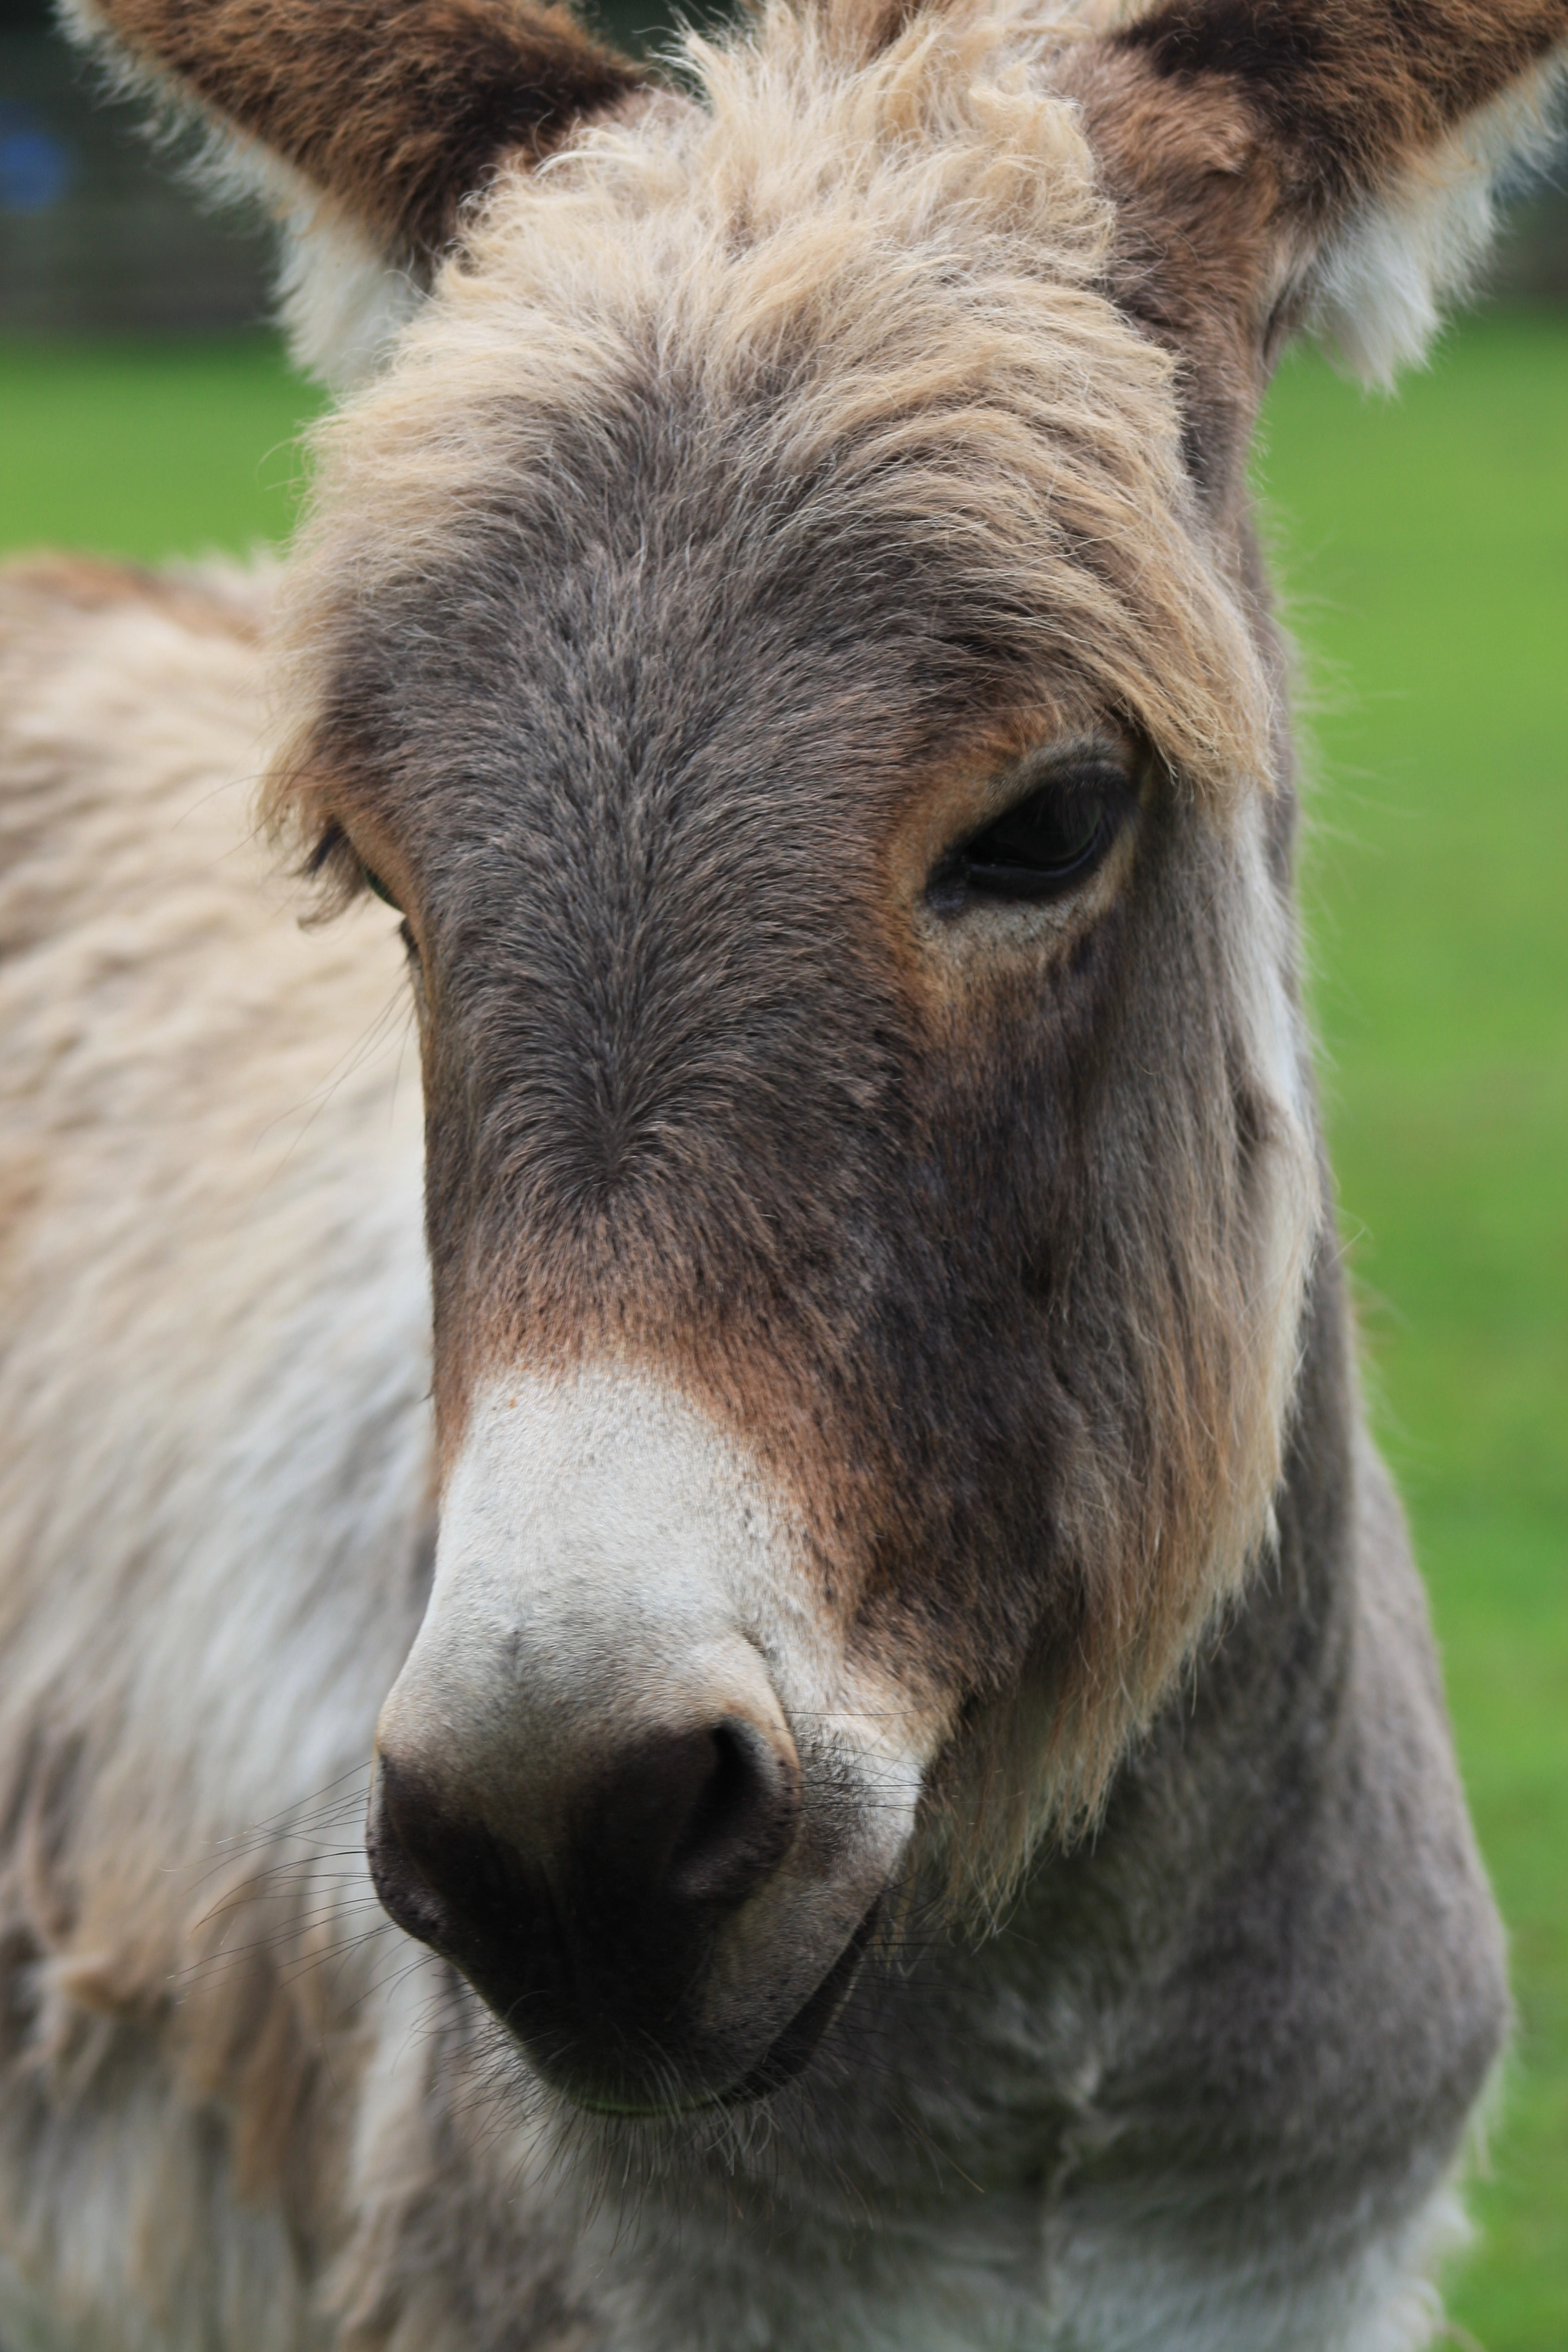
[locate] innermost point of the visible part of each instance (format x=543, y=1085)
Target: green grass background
x=1423, y=545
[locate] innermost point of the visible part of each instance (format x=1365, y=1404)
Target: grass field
x=1423, y=545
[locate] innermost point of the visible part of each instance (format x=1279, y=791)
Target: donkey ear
x=1326, y=163
x=364, y=122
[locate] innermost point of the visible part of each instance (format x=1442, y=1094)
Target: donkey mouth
x=796, y=2045
x=786, y=2057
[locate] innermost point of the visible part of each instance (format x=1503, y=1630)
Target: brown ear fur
x=395, y=109
x=1345, y=93
x=1249, y=143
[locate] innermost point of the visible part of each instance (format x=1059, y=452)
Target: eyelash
x=335, y=849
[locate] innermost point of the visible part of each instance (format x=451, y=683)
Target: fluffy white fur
x=218, y=1331
x=1381, y=292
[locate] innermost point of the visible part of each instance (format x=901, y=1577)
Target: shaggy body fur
x=907, y=1335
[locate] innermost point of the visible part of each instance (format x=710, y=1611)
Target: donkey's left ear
x=1327, y=163
x=364, y=124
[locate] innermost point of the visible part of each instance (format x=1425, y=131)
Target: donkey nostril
x=744, y=1821
x=698, y=1819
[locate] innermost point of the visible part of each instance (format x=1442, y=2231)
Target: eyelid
x=1092, y=762
x=1089, y=768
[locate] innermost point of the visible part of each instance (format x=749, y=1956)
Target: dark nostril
x=413, y=1854
x=742, y=1823
x=699, y=1819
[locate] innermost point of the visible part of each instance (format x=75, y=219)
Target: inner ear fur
x=1263, y=152
x=394, y=110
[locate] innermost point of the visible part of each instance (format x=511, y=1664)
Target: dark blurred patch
x=1532, y=265
x=35, y=167
x=101, y=233
x=98, y=233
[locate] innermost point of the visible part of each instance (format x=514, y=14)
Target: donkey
x=910, y=1806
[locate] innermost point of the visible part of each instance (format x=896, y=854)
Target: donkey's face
x=780, y=630
x=814, y=744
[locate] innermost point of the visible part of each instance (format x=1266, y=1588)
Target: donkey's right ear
x=1319, y=164
x=364, y=124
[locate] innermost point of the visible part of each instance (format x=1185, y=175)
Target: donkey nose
x=602, y=1893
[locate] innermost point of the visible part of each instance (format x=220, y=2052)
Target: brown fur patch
x=398, y=112
x=1346, y=91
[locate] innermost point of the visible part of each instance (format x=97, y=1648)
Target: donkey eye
x=373, y=881
x=1042, y=845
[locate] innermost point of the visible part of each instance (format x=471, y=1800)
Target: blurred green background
x=1421, y=546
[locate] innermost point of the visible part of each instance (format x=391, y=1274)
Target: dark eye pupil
x=1040, y=846
x=1045, y=835
x=374, y=882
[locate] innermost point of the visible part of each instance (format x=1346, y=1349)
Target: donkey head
x=782, y=626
